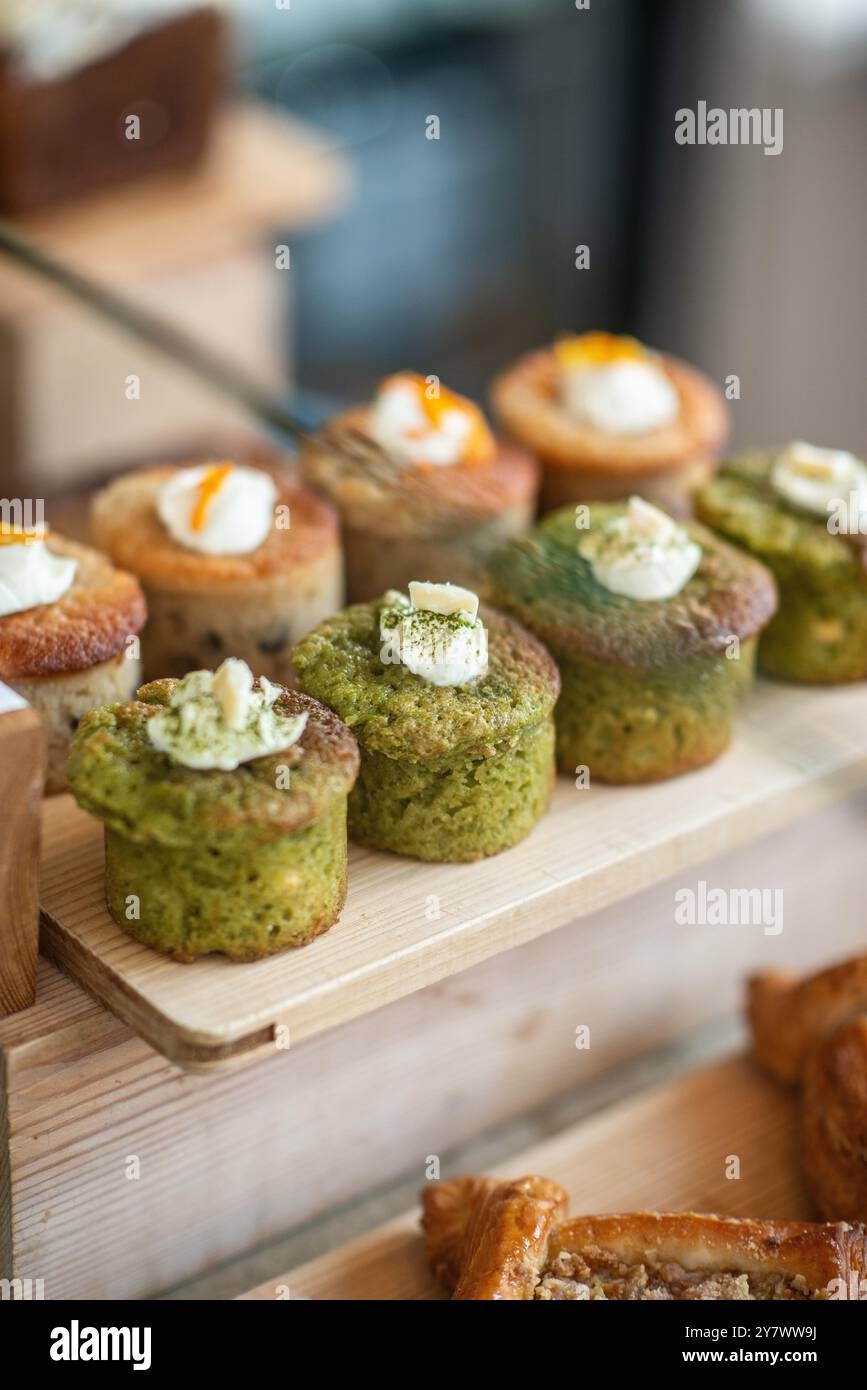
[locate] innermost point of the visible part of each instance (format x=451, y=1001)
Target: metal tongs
x=354, y=448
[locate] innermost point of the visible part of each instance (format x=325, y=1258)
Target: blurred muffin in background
x=802, y=510
x=68, y=624
x=608, y=417
x=234, y=561
x=75, y=75
x=447, y=497
x=653, y=626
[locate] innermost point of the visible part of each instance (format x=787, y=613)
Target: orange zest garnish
x=598, y=350
x=15, y=535
x=206, y=492
x=436, y=402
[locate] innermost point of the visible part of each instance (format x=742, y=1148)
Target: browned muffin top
x=398, y=713
x=417, y=500
x=88, y=624
x=548, y=584
x=524, y=398
x=117, y=774
x=126, y=524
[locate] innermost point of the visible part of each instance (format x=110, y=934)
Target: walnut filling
x=595, y=1274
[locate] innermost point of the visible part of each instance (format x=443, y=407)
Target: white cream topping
x=31, y=574
x=818, y=479
x=443, y=644
x=626, y=397
x=642, y=555
x=232, y=519
x=53, y=38
x=10, y=700
x=216, y=720
x=412, y=434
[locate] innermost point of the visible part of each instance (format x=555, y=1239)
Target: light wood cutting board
x=407, y=925
x=665, y=1151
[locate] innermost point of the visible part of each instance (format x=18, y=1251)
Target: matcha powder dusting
x=218, y=720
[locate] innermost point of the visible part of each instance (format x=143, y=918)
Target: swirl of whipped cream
x=218, y=509
x=435, y=633
x=643, y=554
x=614, y=384
x=217, y=720
x=30, y=573
x=417, y=422
x=818, y=480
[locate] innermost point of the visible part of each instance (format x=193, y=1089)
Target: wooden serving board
x=665, y=1151
x=407, y=924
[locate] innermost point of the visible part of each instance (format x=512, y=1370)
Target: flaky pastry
x=491, y=1240
x=814, y=1032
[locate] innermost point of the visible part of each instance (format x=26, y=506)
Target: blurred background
x=323, y=239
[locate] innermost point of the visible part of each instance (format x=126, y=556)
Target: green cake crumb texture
x=192, y=900
x=394, y=712
x=741, y=503
x=627, y=725
x=545, y=581
x=117, y=774
x=819, y=634
x=458, y=811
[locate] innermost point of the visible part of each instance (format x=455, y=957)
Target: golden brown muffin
x=204, y=607
x=489, y=1240
x=436, y=523
x=582, y=463
x=68, y=656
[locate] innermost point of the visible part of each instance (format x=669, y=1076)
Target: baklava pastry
x=511, y=1240
x=835, y=1123
x=452, y=708
x=449, y=493
x=224, y=805
x=802, y=511
x=653, y=626
x=789, y=1017
x=607, y=417
x=234, y=560
x=813, y=1033
x=69, y=625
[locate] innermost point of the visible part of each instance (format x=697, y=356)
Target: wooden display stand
x=226, y=1162
x=22, y=773
x=407, y=924
x=199, y=248
x=685, y=1132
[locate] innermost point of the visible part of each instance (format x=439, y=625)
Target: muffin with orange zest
x=608, y=417
x=234, y=560
x=448, y=493
x=69, y=625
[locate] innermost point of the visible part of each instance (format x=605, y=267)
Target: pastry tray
x=407, y=924
x=666, y=1150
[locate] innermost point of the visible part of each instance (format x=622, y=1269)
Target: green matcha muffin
x=224, y=804
x=452, y=708
x=653, y=626
x=803, y=511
